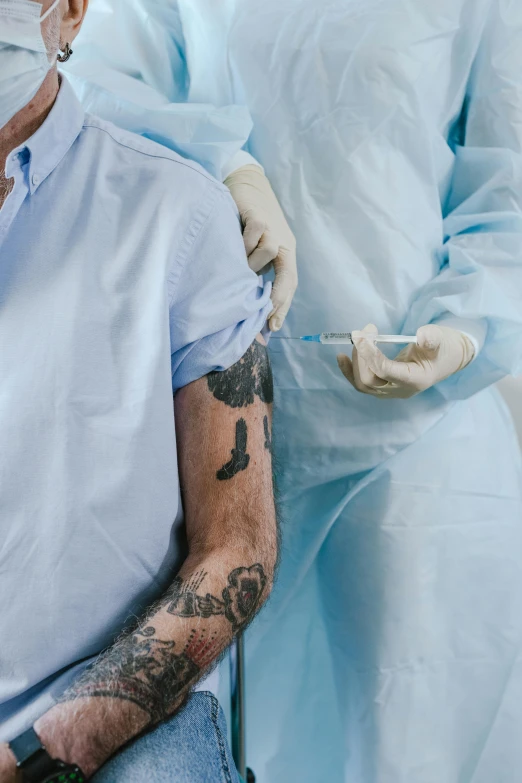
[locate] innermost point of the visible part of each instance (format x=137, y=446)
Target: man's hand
x=267, y=236
x=223, y=427
x=439, y=353
x=8, y=771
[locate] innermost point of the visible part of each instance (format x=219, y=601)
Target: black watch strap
x=36, y=764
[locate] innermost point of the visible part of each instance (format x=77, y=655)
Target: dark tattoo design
x=240, y=459
x=243, y=594
x=143, y=670
x=202, y=648
x=250, y=376
x=240, y=599
x=184, y=600
x=268, y=437
x=149, y=672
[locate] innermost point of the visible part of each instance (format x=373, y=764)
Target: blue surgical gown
x=392, y=133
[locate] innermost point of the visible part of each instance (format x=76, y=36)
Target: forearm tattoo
x=239, y=602
x=144, y=670
x=238, y=387
x=151, y=672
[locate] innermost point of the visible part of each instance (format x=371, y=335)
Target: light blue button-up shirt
x=122, y=277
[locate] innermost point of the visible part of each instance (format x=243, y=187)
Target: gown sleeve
x=479, y=288
x=130, y=67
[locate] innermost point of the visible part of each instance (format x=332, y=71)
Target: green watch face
x=73, y=775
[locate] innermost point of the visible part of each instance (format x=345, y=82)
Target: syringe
x=345, y=338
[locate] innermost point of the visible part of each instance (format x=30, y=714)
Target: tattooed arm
x=223, y=429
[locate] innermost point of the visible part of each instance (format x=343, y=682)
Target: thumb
x=368, y=331
x=253, y=231
x=284, y=288
x=430, y=338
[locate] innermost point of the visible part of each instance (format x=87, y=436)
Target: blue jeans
x=190, y=748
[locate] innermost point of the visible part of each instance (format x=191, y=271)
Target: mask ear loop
x=68, y=50
x=49, y=10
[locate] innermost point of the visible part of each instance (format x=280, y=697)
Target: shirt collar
x=48, y=146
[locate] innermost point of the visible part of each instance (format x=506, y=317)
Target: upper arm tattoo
x=250, y=376
x=240, y=459
x=238, y=387
x=268, y=436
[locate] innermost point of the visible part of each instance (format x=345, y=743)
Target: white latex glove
x=440, y=352
x=267, y=236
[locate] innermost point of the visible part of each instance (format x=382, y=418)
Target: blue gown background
x=392, y=134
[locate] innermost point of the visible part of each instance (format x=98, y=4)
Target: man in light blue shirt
x=123, y=281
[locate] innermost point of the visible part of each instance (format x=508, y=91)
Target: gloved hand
x=267, y=236
x=440, y=352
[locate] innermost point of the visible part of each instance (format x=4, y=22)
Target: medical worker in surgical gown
x=391, y=131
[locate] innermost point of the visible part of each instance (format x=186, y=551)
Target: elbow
x=266, y=565
x=252, y=585
x=265, y=546
x=266, y=555
x=257, y=561
x=246, y=554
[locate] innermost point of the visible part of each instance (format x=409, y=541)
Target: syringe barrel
x=344, y=338
x=336, y=338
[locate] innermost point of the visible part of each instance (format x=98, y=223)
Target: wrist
x=71, y=743
x=87, y=732
x=8, y=770
x=240, y=159
x=470, y=349
x=475, y=330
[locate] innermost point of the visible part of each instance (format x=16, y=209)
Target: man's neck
x=22, y=126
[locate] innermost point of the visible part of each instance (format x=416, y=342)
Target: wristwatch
x=36, y=764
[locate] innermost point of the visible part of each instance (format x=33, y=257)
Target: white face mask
x=24, y=63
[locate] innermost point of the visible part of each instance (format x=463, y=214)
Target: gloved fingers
x=278, y=318
x=253, y=230
x=361, y=370
x=284, y=288
x=400, y=373
x=365, y=381
x=365, y=378
x=385, y=391
x=368, y=329
x=346, y=367
x=266, y=251
x=429, y=339
x=406, y=354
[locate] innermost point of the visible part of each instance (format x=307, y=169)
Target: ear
x=73, y=14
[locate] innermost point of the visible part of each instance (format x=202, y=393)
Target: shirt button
x=35, y=179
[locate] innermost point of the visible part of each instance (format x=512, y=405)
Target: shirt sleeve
x=217, y=305
x=479, y=288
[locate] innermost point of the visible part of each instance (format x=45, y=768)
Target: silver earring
x=67, y=54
